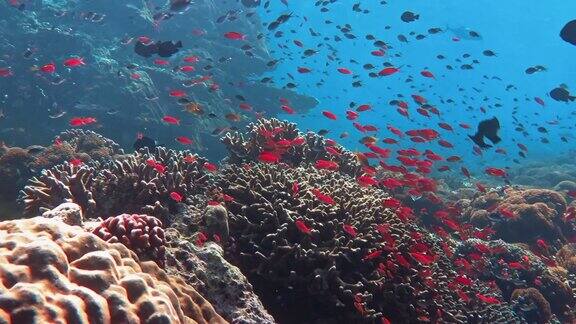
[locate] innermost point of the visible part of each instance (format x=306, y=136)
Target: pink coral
x=143, y=234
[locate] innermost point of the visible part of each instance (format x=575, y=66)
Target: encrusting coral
x=54, y=273
x=14, y=170
x=283, y=139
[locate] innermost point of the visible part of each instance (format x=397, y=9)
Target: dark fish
x=408, y=16
x=143, y=142
x=179, y=5
x=169, y=48
x=561, y=94
x=489, y=53
x=250, y=3
x=145, y=50
x=489, y=129
x=568, y=33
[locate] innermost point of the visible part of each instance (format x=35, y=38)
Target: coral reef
x=518, y=215
x=81, y=144
x=14, y=170
x=205, y=268
x=142, y=234
x=285, y=140
x=52, y=272
x=532, y=304
x=143, y=182
x=325, y=245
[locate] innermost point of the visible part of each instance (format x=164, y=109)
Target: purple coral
x=143, y=234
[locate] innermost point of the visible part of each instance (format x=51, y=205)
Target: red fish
x=187, y=68
x=184, y=140
x=326, y=165
x=6, y=72
x=423, y=258
x=488, y=299
x=302, y=69
x=388, y=71
x=445, y=144
x=82, y=121
x=161, y=62
x=210, y=167
x=364, y=107
x=287, y=109
x=76, y=162
x=349, y=229
x=235, y=35
x=171, y=120
x=302, y=227
x=191, y=59
x=445, y=126
x=323, y=197
x=366, y=181
x=372, y=255
x=427, y=74
x=298, y=141
x=465, y=172
x=48, y=68
x=268, y=157
x=391, y=203
x=495, y=172
x=176, y=196
x=344, y=71
x=378, y=53
x=298, y=43
x=295, y=188
x=351, y=115
x=177, y=93
x=329, y=115
x=391, y=183
x=540, y=101
x=74, y=62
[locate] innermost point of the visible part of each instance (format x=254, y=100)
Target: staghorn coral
x=55, y=273
x=129, y=185
x=266, y=134
x=289, y=242
x=62, y=183
x=142, y=234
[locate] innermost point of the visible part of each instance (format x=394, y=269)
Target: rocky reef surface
x=311, y=235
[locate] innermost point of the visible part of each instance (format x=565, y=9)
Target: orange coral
x=51, y=272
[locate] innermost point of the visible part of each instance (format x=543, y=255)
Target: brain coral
x=55, y=273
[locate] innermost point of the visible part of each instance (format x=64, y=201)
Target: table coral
x=55, y=273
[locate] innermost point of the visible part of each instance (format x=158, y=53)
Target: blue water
x=521, y=33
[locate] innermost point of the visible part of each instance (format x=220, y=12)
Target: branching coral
x=55, y=273
x=62, y=183
x=285, y=140
x=139, y=183
x=330, y=247
x=142, y=234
